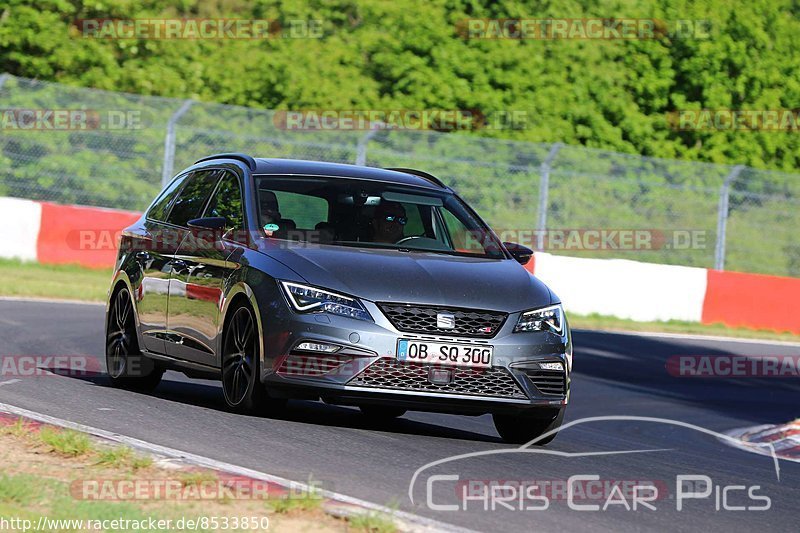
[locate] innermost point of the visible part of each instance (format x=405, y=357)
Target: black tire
x=516, y=429
x=241, y=384
x=381, y=412
x=126, y=366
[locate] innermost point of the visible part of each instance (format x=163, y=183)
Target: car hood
x=414, y=277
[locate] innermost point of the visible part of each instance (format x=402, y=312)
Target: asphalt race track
x=615, y=374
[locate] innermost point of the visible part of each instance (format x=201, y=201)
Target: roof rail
x=421, y=174
x=244, y=158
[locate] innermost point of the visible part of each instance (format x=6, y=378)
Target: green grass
x=373, y=523
x=121, y=457
x=289, y=504
x=20, y=489
x=139, y=462
x=48, y=491
x=18, y=429
x=70, y=282
x=66, y=442
x=116, y=456
x=200, y=478
x=610, y=323
x=29, y=497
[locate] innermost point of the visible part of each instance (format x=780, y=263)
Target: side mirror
x=207, y=231
x=521, y=253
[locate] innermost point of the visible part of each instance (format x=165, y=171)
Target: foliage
x=405, y=54
x=596, y=96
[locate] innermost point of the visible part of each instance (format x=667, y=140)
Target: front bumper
x=365, y=369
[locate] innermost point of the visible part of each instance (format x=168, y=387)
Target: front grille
x=422, y=319
x=549, y=382
x=387, y=373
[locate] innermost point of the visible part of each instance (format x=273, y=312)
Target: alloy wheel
x=239, y=357
x=121, y=336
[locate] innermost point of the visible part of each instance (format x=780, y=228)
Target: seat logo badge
x=445, y=321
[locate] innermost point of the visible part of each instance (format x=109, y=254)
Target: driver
x=270, y=214
x=387, y=222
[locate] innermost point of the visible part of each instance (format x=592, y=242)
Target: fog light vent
x=309, y=346
x=311, y=365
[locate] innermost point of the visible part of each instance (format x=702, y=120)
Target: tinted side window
x=193, y=197
x=227, y=203
x=158, y=211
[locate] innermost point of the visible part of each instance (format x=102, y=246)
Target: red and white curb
x=336, y=504
x=784, y=438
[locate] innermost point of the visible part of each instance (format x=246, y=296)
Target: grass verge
x=67, y=442
x=65, y=475
x=373, y=522
x=69, y=282
x=610, y=323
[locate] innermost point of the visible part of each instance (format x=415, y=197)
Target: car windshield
x=370, y=214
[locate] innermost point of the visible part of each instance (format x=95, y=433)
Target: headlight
x=305, y=299
x=545, y=319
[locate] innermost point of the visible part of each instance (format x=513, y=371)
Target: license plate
x=445, y=353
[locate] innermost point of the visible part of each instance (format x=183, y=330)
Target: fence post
x=544, y=189
x=722, y=216
x=361, y=148
x=169, y=142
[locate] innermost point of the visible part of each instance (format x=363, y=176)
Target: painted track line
x=418, y=523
